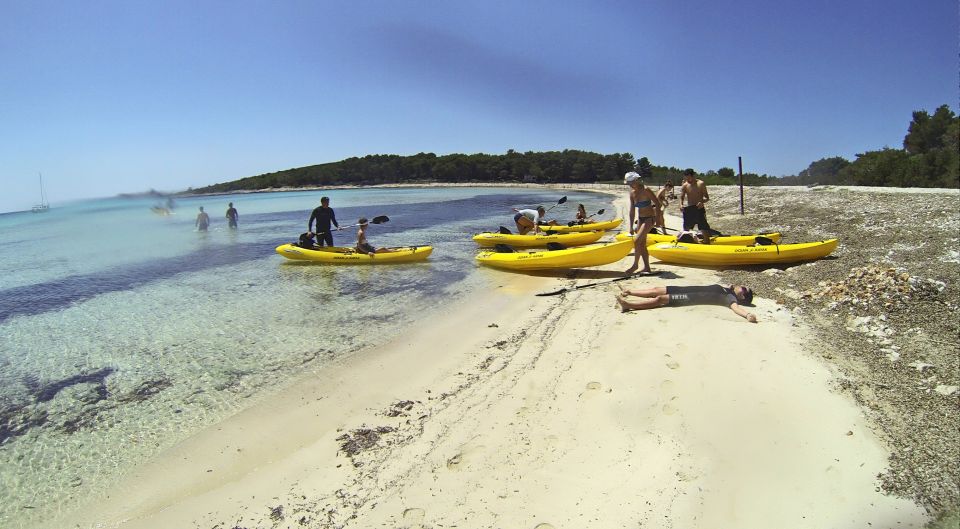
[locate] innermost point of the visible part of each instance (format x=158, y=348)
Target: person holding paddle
x=324, y=215
x=643, y=208
x=581, y=215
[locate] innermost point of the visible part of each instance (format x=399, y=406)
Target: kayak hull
x=579, y=257
x=592, y=226
x=720, y=255
x=537, y=241
x=726, y=240
x=341, y=255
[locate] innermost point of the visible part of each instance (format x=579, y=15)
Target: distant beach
x=524, y=411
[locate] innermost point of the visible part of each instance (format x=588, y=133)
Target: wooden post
x=740, y=163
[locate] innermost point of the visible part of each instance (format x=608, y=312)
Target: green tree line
x=929, y=158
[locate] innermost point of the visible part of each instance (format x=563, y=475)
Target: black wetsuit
x=707, y=295
x=324, y=216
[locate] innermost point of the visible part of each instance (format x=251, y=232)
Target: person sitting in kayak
x=733, y=296
x=307, y=241
x=581, y=215
x=362, y=244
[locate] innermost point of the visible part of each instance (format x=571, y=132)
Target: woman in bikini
x=643, y=211
x=581, y=215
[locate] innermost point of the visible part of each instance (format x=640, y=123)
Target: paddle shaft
x=578, y=287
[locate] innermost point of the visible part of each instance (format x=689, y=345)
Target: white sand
x=581, y=416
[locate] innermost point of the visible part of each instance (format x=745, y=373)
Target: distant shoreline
x=583, y=186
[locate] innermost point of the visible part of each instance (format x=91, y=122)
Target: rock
x=946, y=391
x=920, y=366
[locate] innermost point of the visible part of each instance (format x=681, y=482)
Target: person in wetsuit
x=733, y=297
x=324, y=216
x=643, y=208
x=232, y=215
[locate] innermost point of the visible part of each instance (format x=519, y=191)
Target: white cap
x=630, y=177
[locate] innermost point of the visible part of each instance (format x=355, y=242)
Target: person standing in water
x=324, y=216
x=203, y=220
x=232, y=215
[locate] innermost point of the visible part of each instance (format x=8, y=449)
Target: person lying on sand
x=654, y=297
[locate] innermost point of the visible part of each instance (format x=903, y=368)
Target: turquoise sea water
x=123, y=332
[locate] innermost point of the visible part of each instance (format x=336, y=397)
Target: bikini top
x=643, y=204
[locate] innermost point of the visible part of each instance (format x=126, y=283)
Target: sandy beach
x=514, y=410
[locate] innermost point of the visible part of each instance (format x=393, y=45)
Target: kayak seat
x=503, y=248
x=553, y=246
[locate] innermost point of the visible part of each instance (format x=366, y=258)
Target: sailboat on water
x=43, y=206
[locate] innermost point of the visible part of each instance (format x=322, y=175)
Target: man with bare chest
x=694, y=192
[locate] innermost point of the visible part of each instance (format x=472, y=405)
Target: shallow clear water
x=122, y=332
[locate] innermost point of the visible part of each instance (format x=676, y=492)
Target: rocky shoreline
x=883, y=309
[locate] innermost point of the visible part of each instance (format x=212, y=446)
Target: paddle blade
x=503, y=248
x=380, y=220
x=505, y=231
x=553, y=246
x=600, y=212
x=764, y=241
x=561, y=201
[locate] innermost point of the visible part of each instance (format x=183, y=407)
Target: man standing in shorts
x=695, y=212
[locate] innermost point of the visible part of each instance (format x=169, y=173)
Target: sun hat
x=630, y=177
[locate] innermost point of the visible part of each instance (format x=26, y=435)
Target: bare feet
x=621, y=300
x=630, y=270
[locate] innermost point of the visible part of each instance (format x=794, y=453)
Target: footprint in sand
x=667, y=386
x=669, y=408
x=413, y=518
x=543, y=526
x=592, y=389
x=673, y=365
x=459, y=461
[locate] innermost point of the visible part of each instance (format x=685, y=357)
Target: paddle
x=376, y=220
x=561, y=201
x=578, y=287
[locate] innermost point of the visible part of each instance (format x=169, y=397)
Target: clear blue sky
x=105, y=97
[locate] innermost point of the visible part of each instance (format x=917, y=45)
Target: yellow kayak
x=604, y=225
x=725, y=240
x=534, y=241
x=579, y=257
x=340, y=255
x=720, y=255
